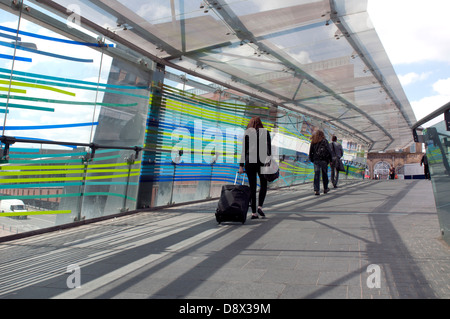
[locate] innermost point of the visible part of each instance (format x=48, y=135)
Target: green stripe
x=41, y=76
x=74, y=86
x=45, y=155
x=65, y=167
x=28, y=107
x=35, y=99
x=66, y=195
x=75, y=160
x=13, y=90
x=62, y=179
x=49, y=212
x=39, y=196
x=67, y=172
x=42, y=185
x=37, y=86
x=46, y=185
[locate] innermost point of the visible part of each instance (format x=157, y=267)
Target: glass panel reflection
x=437, y=141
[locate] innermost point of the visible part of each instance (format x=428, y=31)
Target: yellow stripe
x=68, y=167
x=13, y=90
x=37, y=86
x=48, y=212
x=60, y=179
x=66, y=172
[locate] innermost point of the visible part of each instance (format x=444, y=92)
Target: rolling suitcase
x=233, y=203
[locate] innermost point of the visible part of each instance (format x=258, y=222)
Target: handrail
x=9, y=140
x=432, y=115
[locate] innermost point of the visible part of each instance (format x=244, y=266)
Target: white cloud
x=302, y=57
x=412, y=77
x=428, y=104
x=412, y=30
x=156, y=13
x=442, y=87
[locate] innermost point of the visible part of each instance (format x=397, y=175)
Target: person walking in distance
x=256, y=147
x=392, y=172
x=336, y=153
x=426, y=169
x=320, y=155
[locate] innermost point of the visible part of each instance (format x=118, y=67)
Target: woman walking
x=256, y=147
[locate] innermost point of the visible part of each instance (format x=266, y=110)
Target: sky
x=416, y=36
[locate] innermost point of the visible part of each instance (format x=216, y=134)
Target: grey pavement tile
x=334, y=254
x=330, y=292
x=218, y=262
x=182, y=288
x=300, y=292
x=254, y=290
x=278, y=262
x=321, y=251
x=331, y=264
x=314, y=292
x=339, y=278
x=33, y=292
x=130, y=295
x=236, y=275
x=288, y=276
x=146, y=286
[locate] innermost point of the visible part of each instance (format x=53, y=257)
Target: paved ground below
x=367, y=239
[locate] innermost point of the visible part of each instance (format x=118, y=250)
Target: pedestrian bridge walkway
x=308, y=247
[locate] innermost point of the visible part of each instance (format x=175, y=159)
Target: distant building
x=406, y=163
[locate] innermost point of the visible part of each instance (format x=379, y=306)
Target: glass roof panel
x=321, y=58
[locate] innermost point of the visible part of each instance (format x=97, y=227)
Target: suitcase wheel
x=218, y=218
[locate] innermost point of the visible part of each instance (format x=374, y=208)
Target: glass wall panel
x=73, y=122
x=437, y=143
x=196, y=130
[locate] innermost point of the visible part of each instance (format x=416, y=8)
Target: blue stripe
x=44, y=127
x=12, y=37
x=55, y=78
x=34, y=35
x=53, y=55
x=17, y=58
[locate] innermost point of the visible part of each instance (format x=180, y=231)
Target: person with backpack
x=320, y=155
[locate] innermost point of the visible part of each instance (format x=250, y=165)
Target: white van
x=13, y=206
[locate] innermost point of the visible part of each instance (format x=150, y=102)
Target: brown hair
x=255, y=122
x=317, y=137
x=334, y=138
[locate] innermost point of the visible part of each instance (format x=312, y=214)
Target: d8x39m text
x=246, y=308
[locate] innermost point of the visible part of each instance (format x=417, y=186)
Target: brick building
x=406, y=163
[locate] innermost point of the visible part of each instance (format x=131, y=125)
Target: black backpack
x=322, y=152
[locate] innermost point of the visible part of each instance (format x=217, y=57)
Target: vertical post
x=82, y=187
x=86, y=159
x=130, y=161
x=213, y=161
x=174, y=163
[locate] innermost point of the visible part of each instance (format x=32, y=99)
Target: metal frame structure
x=347, y=80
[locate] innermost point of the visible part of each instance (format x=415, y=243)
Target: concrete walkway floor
x=366, y=239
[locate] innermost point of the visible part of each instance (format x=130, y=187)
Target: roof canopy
x=321, y=58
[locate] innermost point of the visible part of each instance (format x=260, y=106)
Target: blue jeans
x=334, y=175
x=320, y=167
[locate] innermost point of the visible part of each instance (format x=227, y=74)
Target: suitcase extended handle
x=243, y=178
